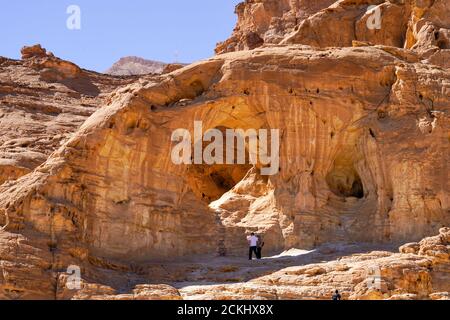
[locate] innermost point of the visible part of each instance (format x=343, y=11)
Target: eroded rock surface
x=422, y=26
x=372, y=275
x=363, y=165
x=43, y=100
x=268, y=22
x=348, y=158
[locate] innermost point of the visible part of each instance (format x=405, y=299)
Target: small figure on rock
x=253, y=244
x=336, y=296
x=259, y=247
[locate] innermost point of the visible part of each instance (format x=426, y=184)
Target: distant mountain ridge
x=132, y=65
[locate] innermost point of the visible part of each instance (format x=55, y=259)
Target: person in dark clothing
x=336, y=296
x=259, y=247
x=252, y=242
x=251, y=251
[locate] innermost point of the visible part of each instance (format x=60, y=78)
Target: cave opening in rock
x=344, y=180
x=210, y=182
x=220, y=179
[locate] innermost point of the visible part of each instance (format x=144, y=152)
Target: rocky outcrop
x=171, y=67
x=33, y=272
x=364, y=133
x=51, y=68
x=422, y=26
x=370, y=276
x=43, y=101
x=363, y=168
x=268, y=21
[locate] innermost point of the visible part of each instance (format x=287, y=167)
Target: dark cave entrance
x=210, y=182
x=344, y=181
x=224, y=178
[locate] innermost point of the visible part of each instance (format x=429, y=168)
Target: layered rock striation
x=43, y=101
x=421, y=26
x=364, y=151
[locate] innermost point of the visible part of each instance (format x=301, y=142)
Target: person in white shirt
x=253, y=244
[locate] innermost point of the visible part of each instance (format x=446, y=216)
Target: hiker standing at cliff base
x=253, y=243
x=259, y=247
x=336, y=296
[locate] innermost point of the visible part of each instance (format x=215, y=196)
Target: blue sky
x=164, y=30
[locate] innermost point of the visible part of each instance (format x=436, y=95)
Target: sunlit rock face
x=268, y=21
x=43, y=101
x=422, y=26
x=363, y=159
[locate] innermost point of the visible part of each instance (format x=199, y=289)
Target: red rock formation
x=363, y=159
x=43, y=101
x=422, y=26
x=268, y=21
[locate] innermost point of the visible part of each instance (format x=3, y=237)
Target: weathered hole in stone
x=131, y=124
x=198, y=88
x=344, y=181
x=442, y=44
x=212, y=181
x=381, y=114
x=216, y=180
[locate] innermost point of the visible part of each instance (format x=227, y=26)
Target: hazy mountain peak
x=132, y=65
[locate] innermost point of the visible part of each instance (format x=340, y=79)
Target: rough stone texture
x=43, y=100
x=110, y=180
x=402, y=277
x=34, y=273
x=140, y=292
x=171, y=67
x=363, y=165
x=421, y=25
x=268, y=21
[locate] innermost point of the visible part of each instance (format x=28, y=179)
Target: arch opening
x=210, y=182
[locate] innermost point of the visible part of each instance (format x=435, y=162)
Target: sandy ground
x=227, y=270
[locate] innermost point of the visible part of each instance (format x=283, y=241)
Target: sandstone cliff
x=420, y=25
x=365, y=138
x=43, y=101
